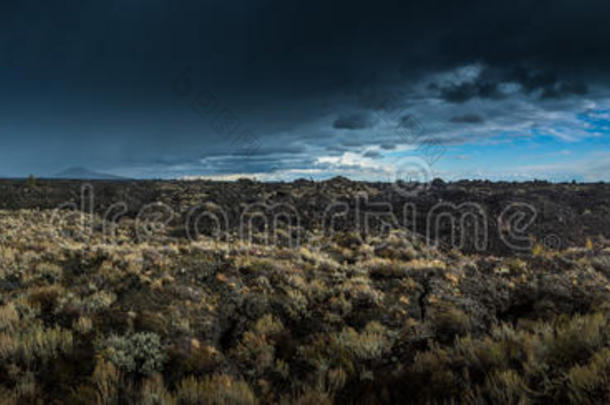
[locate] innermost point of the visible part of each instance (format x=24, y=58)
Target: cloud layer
x=288, y=89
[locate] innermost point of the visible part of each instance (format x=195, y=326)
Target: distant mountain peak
x=82, y=173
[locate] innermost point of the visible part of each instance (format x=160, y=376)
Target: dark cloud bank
x=91, y=83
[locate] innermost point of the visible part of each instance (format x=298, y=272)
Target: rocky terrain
x=143, y=305
x=557, y=216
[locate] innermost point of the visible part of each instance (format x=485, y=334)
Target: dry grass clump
x=154, y=392
x=381, y=267
x=8, y=317
x=106, y=381
x=449, y=322
x=35, y=343
x=602, y=264
x=371, y=343
x=256, y=350
x=590, y=381
x=214, y=390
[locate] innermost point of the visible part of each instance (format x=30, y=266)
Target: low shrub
x=140, y=353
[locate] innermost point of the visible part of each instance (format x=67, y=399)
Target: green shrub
x=140, y=353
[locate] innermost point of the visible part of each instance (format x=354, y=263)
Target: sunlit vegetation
x=347, y=320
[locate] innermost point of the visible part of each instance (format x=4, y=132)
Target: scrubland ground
x=341, y=319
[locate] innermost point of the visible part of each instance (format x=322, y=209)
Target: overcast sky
x=286, y=89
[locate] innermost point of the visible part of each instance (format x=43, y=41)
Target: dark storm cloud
x=93, y=80
x=563, y=89
x=465, y=91
x=307, y=45
x=235, y=164
x=547, y=82
x=266, y=151
x=532, y=80
x=467, y=119
x=353, y=142
x=336, y=149
x=376, y=95
x=361, y=120
x=372, y=154
x=411, y=123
